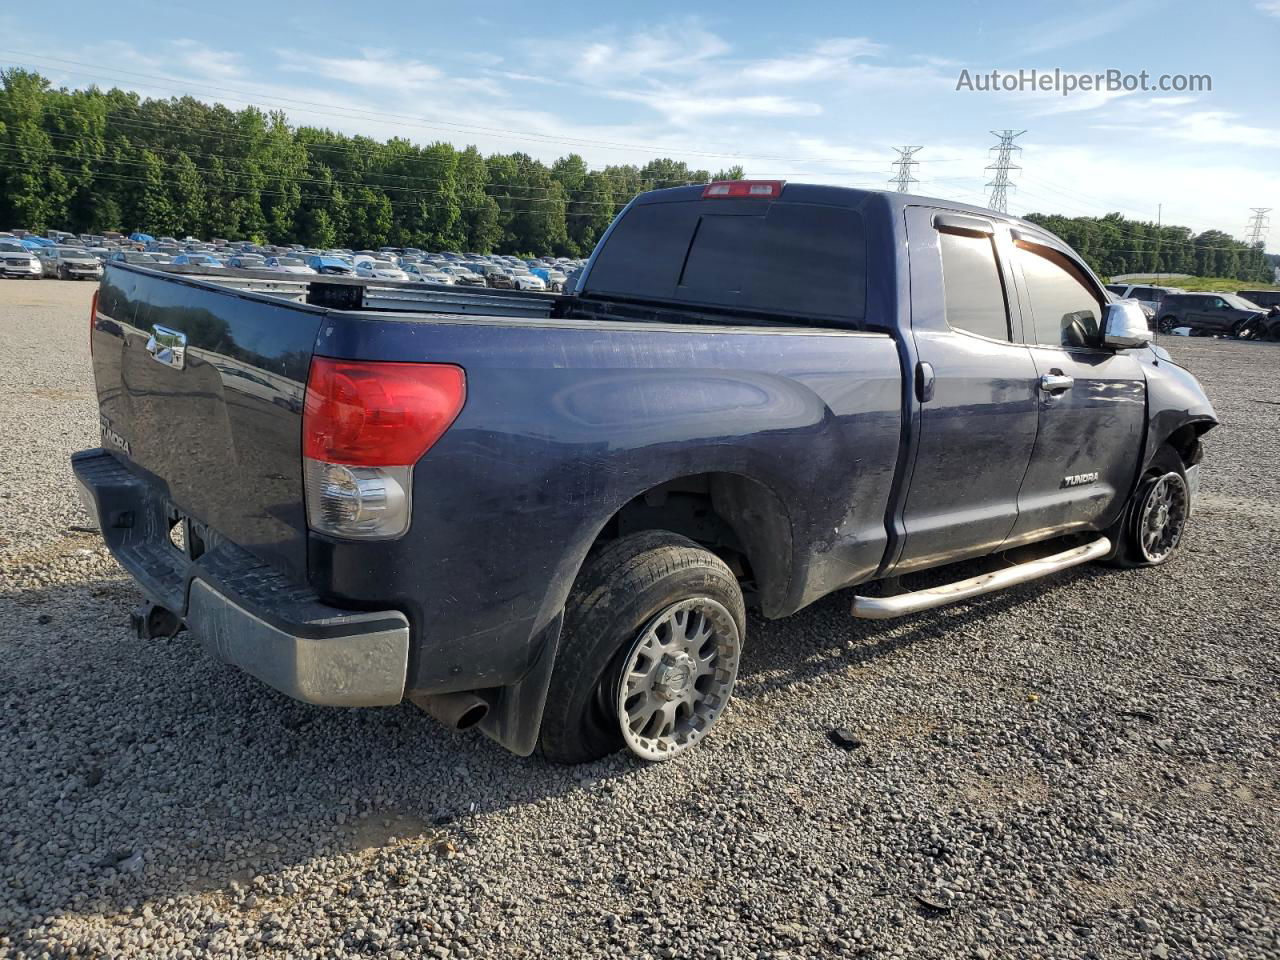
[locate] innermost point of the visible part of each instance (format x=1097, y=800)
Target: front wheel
x=1154, y=522
x=649, y=652
x=1167, y=324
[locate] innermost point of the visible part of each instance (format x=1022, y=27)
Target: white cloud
x=1270, y=7
x=208, y=63
x=1073, y=29
x=374, y=68
x=681, y=109
x=663, y=49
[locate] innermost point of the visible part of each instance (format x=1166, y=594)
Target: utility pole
x=902, y=168
x=1159, y=239
x=1000, y=183
x=1258, y=224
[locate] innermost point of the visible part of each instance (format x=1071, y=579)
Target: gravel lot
x=1085, y=767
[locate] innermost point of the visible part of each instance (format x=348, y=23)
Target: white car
x=527, y=281
x=425, y=273
x=288, y=265
x=379, y=270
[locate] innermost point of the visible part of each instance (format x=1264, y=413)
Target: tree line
x=91, y=160
x=1115, y=245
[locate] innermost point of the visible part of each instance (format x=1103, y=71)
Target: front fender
x=1175, y=402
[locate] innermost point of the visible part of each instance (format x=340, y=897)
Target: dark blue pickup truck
x=543, y=516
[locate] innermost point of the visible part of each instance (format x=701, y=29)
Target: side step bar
x=885, y=608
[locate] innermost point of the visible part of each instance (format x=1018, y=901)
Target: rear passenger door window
x=1066, y=310
x=972, y=287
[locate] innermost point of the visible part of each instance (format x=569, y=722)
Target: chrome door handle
x=1055, y=383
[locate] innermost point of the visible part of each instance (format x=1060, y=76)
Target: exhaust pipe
x=461, y=711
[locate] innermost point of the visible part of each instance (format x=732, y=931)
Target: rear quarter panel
x=566, y=421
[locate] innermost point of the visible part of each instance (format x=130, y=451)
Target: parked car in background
x=379, y=270
x=197, y=260
x=1206, y=314
x=527, y=281
x=288, y=265
x=135, y=256
x=1147, y=295
x=331, y=266
x=461, y=275
x=18, y=262
x=425, y=273
x=247, y=261
x=1263, y=298
x=70, y=263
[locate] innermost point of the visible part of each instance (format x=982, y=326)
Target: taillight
x=760, y=189
x=364, y=425
x=93, y=319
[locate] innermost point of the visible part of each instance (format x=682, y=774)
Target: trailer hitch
x=154, y=622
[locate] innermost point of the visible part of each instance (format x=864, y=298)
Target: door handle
x=924, y=381
x=1056, y=383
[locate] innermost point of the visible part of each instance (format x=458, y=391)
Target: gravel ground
x=1086, y=767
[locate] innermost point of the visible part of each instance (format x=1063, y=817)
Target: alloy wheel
x=677, y=678
x=1162, y=517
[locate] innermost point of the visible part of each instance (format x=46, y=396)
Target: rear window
x=792, y=258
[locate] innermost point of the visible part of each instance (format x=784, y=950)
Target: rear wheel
x=649, y=655
x=1154, y=522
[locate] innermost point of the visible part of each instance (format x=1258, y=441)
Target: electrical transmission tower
x=1000, y=183
x=902, y=168
x=1258, y=224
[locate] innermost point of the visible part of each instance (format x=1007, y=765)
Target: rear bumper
x=244, y=611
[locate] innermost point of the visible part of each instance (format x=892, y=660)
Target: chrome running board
x=885, y=608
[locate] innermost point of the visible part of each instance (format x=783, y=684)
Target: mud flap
x=515, y=712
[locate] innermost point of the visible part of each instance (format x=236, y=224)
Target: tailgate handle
x=168, y=346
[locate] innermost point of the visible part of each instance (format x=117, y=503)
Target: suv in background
x=1208, y=313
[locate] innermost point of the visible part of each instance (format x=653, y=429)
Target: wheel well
x=1185, y=442
x=739, y=519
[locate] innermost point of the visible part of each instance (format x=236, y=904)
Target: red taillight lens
x=760, y=189
x=373, y=414
x=93, y=319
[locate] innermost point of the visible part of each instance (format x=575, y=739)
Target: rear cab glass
x=781, y=257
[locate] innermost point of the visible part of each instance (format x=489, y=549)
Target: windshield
x=7, y=247
x=380, y=265
x=289, y=262
x=73, y=253
x=139, y=258
x=1240, y=303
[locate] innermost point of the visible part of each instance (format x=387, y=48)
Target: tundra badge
x=1079, y=479
x=113, y=438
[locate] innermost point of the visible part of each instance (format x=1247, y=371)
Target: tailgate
x=200, y=389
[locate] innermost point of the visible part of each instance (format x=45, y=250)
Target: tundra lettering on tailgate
x=111, y=438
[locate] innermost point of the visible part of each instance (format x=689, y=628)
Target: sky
x=806, y=92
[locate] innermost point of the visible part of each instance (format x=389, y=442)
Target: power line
x=902, y=168
x=1000, y=183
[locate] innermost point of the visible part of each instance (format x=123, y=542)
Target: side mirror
x=1125, y=325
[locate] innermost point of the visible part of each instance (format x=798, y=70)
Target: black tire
x=1273, y=334
x=62, y=273
x=1128, y=531
x=620, y=589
